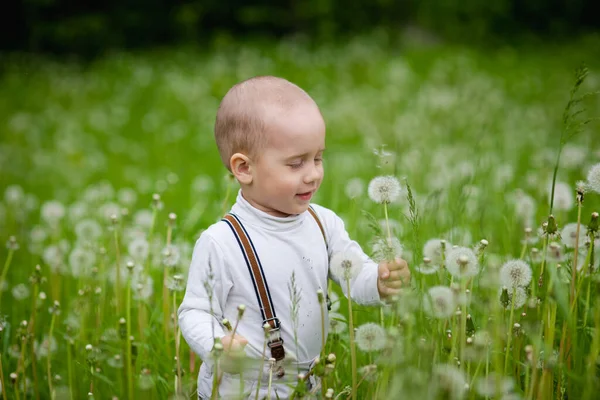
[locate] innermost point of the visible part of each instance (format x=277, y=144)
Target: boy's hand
x=235, y=343
x=234, y=356
x=392, y=276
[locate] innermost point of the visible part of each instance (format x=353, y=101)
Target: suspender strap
x=318, y=221
x=260, y=285
x=259, y=281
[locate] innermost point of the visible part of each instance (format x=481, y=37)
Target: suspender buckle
x=277, y=350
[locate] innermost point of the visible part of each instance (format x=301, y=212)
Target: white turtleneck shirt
x=284, y=246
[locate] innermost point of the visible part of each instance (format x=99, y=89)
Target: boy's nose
x=313, y=174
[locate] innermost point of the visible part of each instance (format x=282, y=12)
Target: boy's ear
x=241, y=168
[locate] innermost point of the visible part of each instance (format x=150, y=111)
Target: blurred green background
x=93, y=27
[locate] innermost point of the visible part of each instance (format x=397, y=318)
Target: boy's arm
x=364, y=286
x=198, y=322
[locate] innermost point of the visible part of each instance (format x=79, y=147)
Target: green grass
x=466, y=128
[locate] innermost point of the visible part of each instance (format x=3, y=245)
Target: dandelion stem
x=352, y=343
x=70, y=367
x=49, y=357
x=575, y=252
x=118, y=280
x=510, y=327
x=128, y=342
x=5, y=270
x=178, y=387
x=260, y=372
x=2, y=379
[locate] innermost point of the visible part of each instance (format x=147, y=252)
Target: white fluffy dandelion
x=139, y=248
x=434, y=252
x=569, y=235
x=462, y=262
x=525, y=207
x=47, y=346
x=564, y=196
x=385, y=249
x=142, y=286
x=354, y=188
x=384, y=189
x=439, y=302
x=593, y=178
x=490, y=385
x=52, y=212
x=337, y=323
x=515, y=273
x=20, y=291
x=88, y=230
x=81, y=262
x=519, y=299
x=346, y=265
x=370, y=337
x=448, y=382
x=143, y=219
x=171, y=256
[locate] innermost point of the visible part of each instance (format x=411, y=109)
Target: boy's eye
x=297, y=164
x=319, y=159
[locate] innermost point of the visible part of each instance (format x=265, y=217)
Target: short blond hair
x=240, y=123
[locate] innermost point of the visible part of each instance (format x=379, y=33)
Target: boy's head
x=271, y=136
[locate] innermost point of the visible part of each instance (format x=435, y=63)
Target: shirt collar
x=253, y=216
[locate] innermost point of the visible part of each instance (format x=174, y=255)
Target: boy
x=271, y=137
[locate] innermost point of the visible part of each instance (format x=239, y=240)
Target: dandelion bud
x=504, y=299
x=130, y=265
x=12, y=244
x=88, y=347
x=172, y=218
x=484, y=243
x=267, y=328
x=156, y=199
x=301, y=376
x=13, y=377
x=593, y=225
x=317, y=360
x=331, y=358
x=42, y=296
x=227, y=324
x=551, y=227
x=241, y=308
x=122, y=321
x=329, y=393
x=426, y=260
x=114, y=219
x=528, y=231
x=469, y=340
x=320, y=296
x=218, y=346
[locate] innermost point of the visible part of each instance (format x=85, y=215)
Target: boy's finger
x=384, y=271
x=397, y=265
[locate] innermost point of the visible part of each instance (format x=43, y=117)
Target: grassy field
x=475, y=135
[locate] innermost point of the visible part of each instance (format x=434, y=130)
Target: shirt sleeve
x=363, y=287
x=208, y=285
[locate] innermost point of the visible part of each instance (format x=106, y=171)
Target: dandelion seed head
x=564, y=197
x=488, y=386
x=143, y=219
x=127, y=197
x=593, y=178
x=515, y=273
x=88, y=230
x=448, y=382
x=81, y=262
x=47, y=346
x=346, y=265
x=52, y=212
x=434, y=250
x=354, y=188
x=337, y=323
x=14, y=195
x=440, y=302
x=138, y=249
x=462, y=262
x=20, y=292
x=518, y=299
x=370, y=337
x=171, y=256
x=386, y=249
x=569, y=235
x=384, y=189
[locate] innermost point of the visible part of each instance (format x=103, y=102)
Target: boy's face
x=289, y=169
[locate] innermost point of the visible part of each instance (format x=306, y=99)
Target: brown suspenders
x=259, y=282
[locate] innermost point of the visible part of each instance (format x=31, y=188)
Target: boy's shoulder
x=327, y=216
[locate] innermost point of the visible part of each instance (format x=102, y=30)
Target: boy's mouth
x=305, y=196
